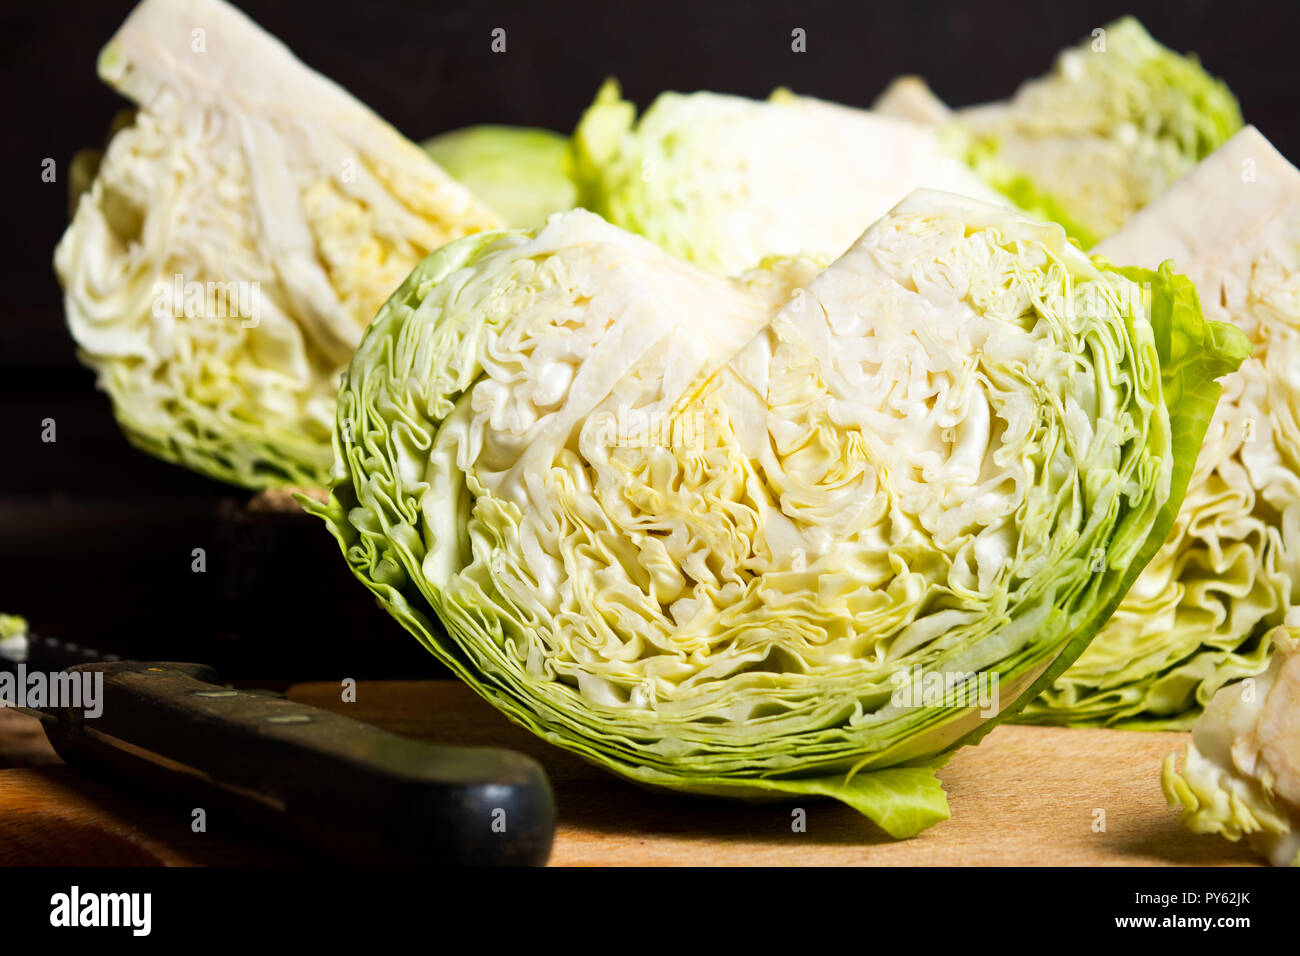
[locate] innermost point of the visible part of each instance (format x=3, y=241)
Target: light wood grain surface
x=1025, y=796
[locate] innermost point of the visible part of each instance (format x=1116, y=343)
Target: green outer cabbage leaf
x=946, y=454
x=520, y=172
x=240, y=232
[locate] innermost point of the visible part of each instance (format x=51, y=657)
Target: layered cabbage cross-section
x=240, y=231
x=521, y=172
x=800, y=532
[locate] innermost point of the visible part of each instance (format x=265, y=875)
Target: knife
x=350, y=790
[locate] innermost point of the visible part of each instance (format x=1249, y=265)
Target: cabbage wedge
x=13, y=637
x=1240, y=775
x=240, y=231
x=1200, y=614
x=1118, y=120
x=724, y=181
x=797, y=533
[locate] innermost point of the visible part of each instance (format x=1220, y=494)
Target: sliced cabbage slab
x=1200, y=614
x=723, y=181
x=796, y=533
x=1118, y=120
x=521, y=172
x=238, y=236
x=1240, y=775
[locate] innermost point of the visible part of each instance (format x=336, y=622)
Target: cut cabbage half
x=723, y=181
x=1200, y=614
x=238, y=236
x=796, y=533
x=1115, y=123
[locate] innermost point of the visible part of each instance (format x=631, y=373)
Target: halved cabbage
x=1117, y=121
x=1200, y=614
x=723, y=181
x=519, y=171
x=1241, y=772
x=797, y=533
x=238, y=236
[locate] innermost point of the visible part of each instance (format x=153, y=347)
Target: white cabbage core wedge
x=240, y=233
x=724, y=535
x=1198, y=616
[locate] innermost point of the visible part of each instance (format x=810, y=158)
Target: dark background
x=96, y=538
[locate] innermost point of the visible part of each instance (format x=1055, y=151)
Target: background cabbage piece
x=520, y=172
x=1240, y=775
x=711, y=534
x=723, y=181
x=1200, y=614
x=1116, y=122
x=279, y=207
x=13, y=637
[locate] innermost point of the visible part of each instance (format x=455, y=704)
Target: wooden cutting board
x=1025, y=796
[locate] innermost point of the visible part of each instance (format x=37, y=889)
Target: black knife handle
x=355, y=790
